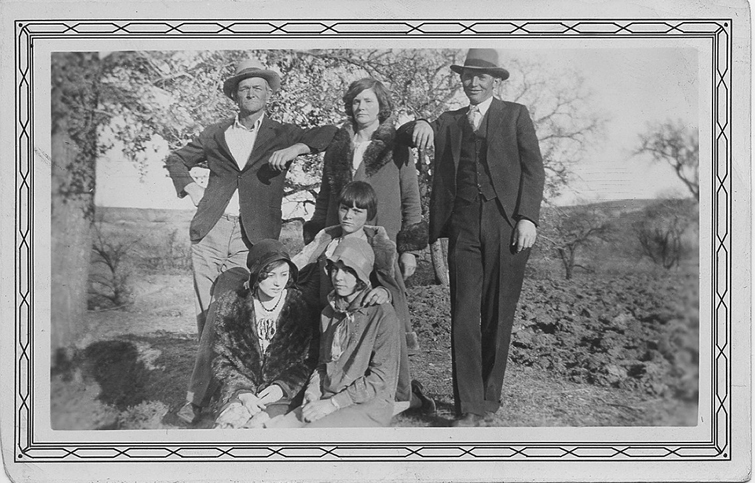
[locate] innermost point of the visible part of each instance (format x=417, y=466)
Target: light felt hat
x=357, y=255
x=484, y=61
x=250, y=68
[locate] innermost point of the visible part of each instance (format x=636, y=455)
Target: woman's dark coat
x=389, y=168
x=240, y=366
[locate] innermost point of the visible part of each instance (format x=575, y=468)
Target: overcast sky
x=632, y=86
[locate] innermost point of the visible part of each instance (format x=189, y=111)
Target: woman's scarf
x=344, y=321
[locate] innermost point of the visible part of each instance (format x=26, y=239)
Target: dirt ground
x=593, y=351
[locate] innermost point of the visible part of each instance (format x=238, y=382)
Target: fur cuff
x=413, y=237
x=311, y=229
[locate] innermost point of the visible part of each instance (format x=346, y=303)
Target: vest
x=473, y=176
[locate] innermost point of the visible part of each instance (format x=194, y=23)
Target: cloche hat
x=357, y=255
x=264, y=253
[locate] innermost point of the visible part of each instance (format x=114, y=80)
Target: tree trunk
x=74, y=142
x=439, y=256
x=570, y=264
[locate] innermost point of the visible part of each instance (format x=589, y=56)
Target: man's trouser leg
x=224, y=247
x=465, y=268
x=502, y=285
x=486, y=278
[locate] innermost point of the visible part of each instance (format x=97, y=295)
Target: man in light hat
x=487, y=187
x=248, y=156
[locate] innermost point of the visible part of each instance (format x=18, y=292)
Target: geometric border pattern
x=717, y=446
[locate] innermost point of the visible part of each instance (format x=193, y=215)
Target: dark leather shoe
x=428, y=405
x=468, y=420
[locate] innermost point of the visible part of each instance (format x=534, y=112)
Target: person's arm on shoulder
x=383, y=276
x=419, y=134
x=280, y=159
x=302, y=141
x=317, y=139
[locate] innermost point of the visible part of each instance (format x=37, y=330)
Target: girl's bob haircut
x=361, y=195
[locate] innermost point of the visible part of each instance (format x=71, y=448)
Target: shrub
x=661, y=232
x=168, y=252
x=112, y=284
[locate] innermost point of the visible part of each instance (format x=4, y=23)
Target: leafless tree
x=112, y=251
x=569, y=231
x=676, y=144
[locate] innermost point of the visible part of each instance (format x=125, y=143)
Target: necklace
x=280, y=298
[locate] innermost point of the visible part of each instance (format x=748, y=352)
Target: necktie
x=473, y=116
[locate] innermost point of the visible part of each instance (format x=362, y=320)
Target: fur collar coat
x=389, y=168
x=241, y=366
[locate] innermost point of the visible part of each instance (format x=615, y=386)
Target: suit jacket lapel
x=264, y=137
x=222, y=144
x=495, y=116
x=455, y=133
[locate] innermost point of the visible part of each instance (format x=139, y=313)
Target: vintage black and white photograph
x=599, y=227
x=506, y=244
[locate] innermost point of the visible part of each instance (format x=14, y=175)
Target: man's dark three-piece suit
x=483, y=183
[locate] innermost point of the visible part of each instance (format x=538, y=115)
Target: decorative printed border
x=716, y=448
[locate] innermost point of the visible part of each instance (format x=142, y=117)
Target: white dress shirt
x=240, y=140
x=482, y=109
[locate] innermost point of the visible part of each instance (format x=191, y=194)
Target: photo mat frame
x=30, y=447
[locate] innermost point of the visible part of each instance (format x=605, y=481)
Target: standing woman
x=265, y=341
x=365, y=149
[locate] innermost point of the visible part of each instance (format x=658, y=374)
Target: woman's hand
x=408, y=264
x=251, y=402
x=234, y=415
x=270, y=394
x=376, y=296
x=315, y=410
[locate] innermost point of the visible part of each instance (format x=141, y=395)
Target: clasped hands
x=246, y=406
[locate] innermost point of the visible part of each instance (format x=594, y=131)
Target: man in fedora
x=487, y=187
x=247, y=156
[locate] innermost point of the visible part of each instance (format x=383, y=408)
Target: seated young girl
x=265, y=341
x=357, y=203
x=355, y=380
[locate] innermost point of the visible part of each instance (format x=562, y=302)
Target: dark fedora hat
x=484, y=61
x=250, y=68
